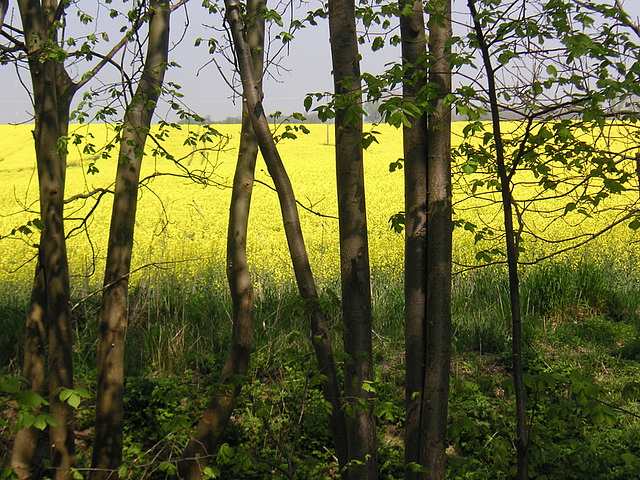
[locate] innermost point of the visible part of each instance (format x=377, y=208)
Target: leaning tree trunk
x=216, y=417
x=435, y=396
x=252, y=96
x=107, y=446
x=412, y=32
x=522, y=440
x=354, y=249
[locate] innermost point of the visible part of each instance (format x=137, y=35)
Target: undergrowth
x=582, y=346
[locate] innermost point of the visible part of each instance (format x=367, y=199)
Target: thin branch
x=87, y=195
x=467, y=268
x=105, y=59
x=308, y=209
x=128, y=274
x=108, y=58
x=632, y=25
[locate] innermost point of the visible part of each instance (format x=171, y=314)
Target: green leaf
x=29, y=398
x=416, y=467
x=397, y=221
x=168, y=467
x=51, y=421
x=570, y=207
x=74, y=400
x=8, y=474
x=384, y=411
x=449, y=99
x=537, y=88
x=505, y=56
x=368, y=387
x=308, y=100
x=225, y=453
x=10, y=385
x=40, y=422
x=65, y=393
x=469, y=168
x=397, y=165
x=211, y=472
x=123, y=471
x=367, y=139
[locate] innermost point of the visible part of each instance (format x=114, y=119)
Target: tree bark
x=522, y=440
x=252, y=97
x=354, y=249
x=107, y=446
x=33, y=369
x=52, y=93
x=414, y=49
x=435, y=396
x=216, y=417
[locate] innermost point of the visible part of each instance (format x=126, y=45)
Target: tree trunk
x=354, y=249
x=52, y=92
x=414, y=49
x=51, y=173
x=215, y=419
x=252, y=96
x=107, y=446
x=439, y=230
x=522, y=441
x=33, y=369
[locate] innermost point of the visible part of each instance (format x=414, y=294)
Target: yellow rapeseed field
x=180, y=220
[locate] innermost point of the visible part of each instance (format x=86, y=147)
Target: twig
x=122, y=277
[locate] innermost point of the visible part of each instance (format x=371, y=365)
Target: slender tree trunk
x=414, y=49
x=107, y=446
x=439, y=231
x=354, y=249
x=33, y=369
x=522, y=440
x=252, y=96
x=216, y=417
x=51, y=173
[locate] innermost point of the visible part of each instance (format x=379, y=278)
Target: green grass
x=578, y=350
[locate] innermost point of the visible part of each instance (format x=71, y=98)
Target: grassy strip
x=582, y=348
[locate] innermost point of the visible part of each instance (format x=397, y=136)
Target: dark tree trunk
x=304, y=277
x=52, y=92
x=354, y=249
x=414, y=49
x=522, y=441
x=51, y=173
x=215, y=419
x=33, y=369
x=439, y=231
x=107, y=446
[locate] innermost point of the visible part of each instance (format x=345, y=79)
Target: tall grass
x=180, y=315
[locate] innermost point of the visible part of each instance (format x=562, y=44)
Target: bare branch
x=632, y=25
x=87, y=195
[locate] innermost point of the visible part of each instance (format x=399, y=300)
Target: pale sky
x=306, y=65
